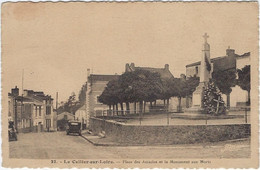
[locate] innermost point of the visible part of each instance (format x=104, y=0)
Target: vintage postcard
x=130, y=84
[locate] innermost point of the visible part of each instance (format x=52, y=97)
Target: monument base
x=197, y=105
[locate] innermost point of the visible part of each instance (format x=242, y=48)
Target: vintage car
x=73, y=127
x=12, y=135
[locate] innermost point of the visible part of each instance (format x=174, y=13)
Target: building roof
x=220, y=58
x=65, y=113
x=100, y=77
x=211, y=60
x=164, y=72
x=243, y=55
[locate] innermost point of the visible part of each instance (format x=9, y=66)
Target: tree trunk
x=127, y=108
x=134, y=107
x=155, y=103
x=164, y=102
x=122, y=109
x=113, y=109
x=168, y=103
x=117, y=109
x=140, y=106
x=228, y=101
x=179, y=106
x=109, y=111
x=144, y=105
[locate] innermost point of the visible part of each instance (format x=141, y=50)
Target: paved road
x=58, y=145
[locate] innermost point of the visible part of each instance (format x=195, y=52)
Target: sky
x=55, y=43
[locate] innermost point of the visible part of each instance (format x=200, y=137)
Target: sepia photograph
x=129, y=84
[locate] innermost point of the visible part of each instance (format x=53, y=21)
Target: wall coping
x=122, y=124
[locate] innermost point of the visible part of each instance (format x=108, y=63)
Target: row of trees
x=143, y=86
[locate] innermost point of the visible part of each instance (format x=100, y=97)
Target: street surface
x=57, y=145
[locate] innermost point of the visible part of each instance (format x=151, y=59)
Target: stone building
x=80, y=115
x=31, y=111
x=95, y=86
x=230, y=61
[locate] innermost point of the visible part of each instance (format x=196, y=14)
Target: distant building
x=219, y=63
x=230, y=61
x=63, y=118
x=164, y=72
x=80, y=115
x=95, y=86
x=31, y=111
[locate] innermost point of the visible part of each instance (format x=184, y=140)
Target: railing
x=172, y=117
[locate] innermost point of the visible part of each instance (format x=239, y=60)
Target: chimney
x=88, y=73
x=132, y=66
x=25, y=92
x=166, y=66
x=230, y=52
x=15, y=91
x=183, y=76
x=127, y=67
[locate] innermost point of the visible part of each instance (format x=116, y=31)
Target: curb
x=201, y=145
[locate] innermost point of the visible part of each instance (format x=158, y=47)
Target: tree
x=139, y=86
x=182, y=87
x=224, y=80
x=82, y=94
x=110, y=95
x=244, y=80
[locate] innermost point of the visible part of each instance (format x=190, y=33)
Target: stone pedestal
x=197, y=106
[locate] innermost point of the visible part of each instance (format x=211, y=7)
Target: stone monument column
x=205, y=74
x=205, y=66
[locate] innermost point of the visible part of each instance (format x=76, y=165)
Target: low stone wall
x=173, y=134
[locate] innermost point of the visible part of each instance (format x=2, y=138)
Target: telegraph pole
x=57, y=101
x=22, y=96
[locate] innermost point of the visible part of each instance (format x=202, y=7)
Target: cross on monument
x=205, y=36
x=218, y=101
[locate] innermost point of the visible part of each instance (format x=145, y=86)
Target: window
x=48, y=123
x=197, y=70
x=48, y=110
x=97, y=102
x=35, y=111
x=40, y=110
x=27, y=109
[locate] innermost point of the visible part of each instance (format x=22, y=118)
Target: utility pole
x=22, y=95
x=57, y=101
x=15, y=113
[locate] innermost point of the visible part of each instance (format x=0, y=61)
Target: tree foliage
x=82, y=94
x=225, y=80
x=145, y=86
x=71, y=105
x=244, y=78
x=134, y=86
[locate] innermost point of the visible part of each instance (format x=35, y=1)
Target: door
x=39, y=128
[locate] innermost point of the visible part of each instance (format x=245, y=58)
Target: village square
x=144, y=112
